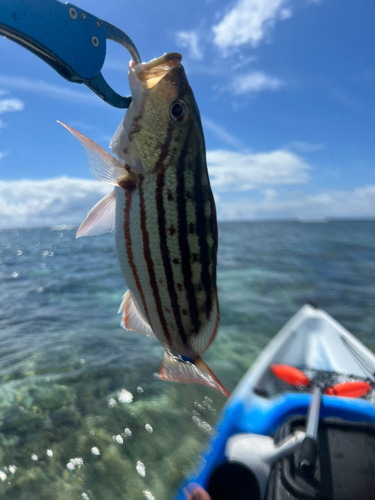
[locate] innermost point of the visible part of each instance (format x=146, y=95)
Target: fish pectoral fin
x=176, y=370
x=132, y=317
x=101, y=218
x=103, y=166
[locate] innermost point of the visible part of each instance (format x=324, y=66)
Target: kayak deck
x=313, y=342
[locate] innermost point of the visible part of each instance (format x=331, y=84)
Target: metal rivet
x=95, y=41
x=83, y=15
x=97, y=24
x=73, y=13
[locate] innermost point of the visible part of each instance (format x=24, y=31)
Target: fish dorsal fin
x=199, y=342
x=101, y=218
x=103, y=166
x=177, y=370
x=132, y=317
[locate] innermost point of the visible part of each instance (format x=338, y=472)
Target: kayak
x=301, y=422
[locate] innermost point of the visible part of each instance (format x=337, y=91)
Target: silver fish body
x=164, y=219
x=166, y=245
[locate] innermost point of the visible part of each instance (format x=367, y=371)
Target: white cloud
x=269, y=194
x=62, y=200
x=243, y=61
x=358, y=203
x=66, y=201
x=9, y=105
x=221, y=134
x=256, y=81
x=249, y=22
x=285, y=14
x=305, y=147
x=45, y=88
x=243, y=171
x=189, y=40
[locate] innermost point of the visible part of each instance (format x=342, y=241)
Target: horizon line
x=301, y=220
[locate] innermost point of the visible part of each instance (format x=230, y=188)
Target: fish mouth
x=152, y=72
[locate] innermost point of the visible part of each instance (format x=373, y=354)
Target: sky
x=286, y=91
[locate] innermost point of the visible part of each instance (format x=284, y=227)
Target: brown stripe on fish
x=129, y=250
x=149, y=262
x=215, y=236
x=214, y=331
x=183, y=235
x=172, y=225
x=166, y=151
x=165, y=148
x=134, y=125
x=166, y=256
x=205, y=229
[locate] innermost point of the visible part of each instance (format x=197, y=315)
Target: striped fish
x=163, y=214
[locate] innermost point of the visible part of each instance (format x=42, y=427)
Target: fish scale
x=172, y=239
x=170, y=261
x=152, y=265
x=129, y=234
x=161, y=298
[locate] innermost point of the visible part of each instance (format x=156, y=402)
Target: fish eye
x=178, y=111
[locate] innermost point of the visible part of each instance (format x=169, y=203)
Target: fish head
x=162, y=112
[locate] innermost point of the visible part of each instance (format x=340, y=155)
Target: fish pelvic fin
x=195, y=371
x=132, y=317
x=103, y=166
x=101, y=218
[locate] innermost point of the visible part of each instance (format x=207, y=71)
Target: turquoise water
x=82, y=414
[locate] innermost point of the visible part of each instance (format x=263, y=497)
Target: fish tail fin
x=194, y=371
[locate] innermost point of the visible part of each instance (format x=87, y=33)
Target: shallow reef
x=82, y=412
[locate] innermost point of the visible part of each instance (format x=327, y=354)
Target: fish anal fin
x=176, y=370
x=101, y=218
x=132, y=317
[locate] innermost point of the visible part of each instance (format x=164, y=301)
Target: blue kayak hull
x=262, y=416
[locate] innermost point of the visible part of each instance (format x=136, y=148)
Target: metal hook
x=70, y=40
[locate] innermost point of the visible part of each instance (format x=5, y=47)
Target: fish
x=162, y=211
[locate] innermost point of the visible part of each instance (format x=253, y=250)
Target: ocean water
x=82, y=414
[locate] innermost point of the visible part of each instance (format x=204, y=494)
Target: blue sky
x=286, y=90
